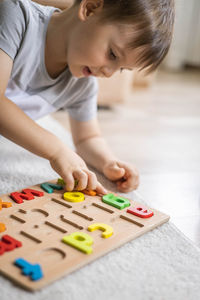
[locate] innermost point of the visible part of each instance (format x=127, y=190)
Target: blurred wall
x=185, y=48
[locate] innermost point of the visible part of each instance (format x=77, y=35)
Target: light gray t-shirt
x=23, y=27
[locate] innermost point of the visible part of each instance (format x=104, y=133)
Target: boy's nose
x=107, y=71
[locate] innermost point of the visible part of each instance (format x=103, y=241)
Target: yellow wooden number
x=107, y=230
x=79, y=240
x=74, y=196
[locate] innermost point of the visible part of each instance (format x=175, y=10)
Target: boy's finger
x=92, y=180
x=131, y=183
x=81, y=178
x=114, y=172
x=100, y=189
x=69, y=182
x=120, y=170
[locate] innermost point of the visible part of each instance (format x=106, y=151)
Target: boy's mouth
x=86, y=71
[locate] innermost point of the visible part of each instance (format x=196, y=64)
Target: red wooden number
x=140, y=211
x=8, y=243
x=27, y=194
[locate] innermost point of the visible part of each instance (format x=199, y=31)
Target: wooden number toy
x=46, y=232
x=8, y=243
x=79, y=240
x=28, y=194
x=5, y=204
x=34, y=271
x=116, y=201
x=140, y=211
x=2, y=227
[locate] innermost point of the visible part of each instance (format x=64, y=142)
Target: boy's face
x=94, y=49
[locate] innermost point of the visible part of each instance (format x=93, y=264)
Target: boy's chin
x=75, y=73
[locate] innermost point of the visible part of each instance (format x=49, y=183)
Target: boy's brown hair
x=151, y=24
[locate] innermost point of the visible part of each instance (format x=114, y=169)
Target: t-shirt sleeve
x=12, y=26
x=84, y=108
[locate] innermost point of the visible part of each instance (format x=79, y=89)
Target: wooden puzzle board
x=41, y=223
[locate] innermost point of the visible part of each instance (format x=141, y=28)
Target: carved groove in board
x=17, y=219
x=82, y=215
x=55, y=226
x=102, y=207
x=22, y=211
x=132, y=221
x=31, y=237
x=70, y=222
x=61, y=203
x=41, y=211
x=57, y=250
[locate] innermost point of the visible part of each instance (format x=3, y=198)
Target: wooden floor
x=159, y=131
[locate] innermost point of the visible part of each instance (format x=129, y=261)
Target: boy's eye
x=112, y=55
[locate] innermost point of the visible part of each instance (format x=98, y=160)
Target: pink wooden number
x=140, y=211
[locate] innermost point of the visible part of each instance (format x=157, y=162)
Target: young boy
x=49, y=60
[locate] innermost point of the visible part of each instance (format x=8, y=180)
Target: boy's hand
x=125, y=175
x=71, y=166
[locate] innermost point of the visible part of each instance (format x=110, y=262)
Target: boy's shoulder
x=14, y=5
x=20, y=19
x=14, y=11
x=13, y=20
x=18, y=8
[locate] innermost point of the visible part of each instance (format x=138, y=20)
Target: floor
x=158, y=129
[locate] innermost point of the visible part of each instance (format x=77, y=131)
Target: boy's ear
x=88, y=8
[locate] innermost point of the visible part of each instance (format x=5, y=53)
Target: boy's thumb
x=115, y=172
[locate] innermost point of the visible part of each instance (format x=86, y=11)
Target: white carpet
x=162, y=264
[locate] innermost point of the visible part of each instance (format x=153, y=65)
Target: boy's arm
x=16, y=125
x=62, y=4
x=92, y=147
x=90, y=144
x=19, y=128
